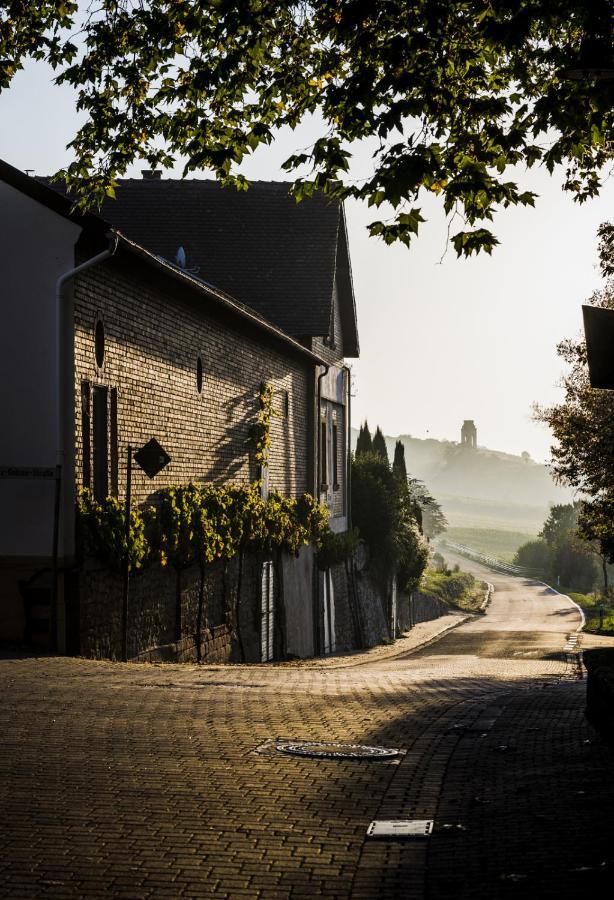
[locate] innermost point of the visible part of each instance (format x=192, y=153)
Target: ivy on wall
x=260, y=433
x=199, y=523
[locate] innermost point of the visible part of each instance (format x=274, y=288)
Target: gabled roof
x=41, y=192
x=276, y=256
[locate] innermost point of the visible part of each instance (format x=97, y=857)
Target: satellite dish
x=180, y=259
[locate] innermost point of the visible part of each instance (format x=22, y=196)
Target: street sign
x=23, y=472
x=152, y=458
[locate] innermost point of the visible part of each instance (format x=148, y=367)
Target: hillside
x=483, y=492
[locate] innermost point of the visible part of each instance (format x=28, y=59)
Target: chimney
x=151, y=174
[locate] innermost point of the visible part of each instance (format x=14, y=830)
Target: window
x=285, y=404
x=199, y=375
x=100, y=433
x=323, y=456
x=99, y=440
x=86, y=444
x=99, y=341
x=335, y=460
x=114, y=440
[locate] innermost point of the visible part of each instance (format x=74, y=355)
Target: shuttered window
x=323, y=456
x=86, y=445
x=100, y=432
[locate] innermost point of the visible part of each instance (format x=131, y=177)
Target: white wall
x=36, y=246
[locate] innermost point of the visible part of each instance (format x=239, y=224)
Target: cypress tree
x=398, y=465
x=364, y=444
x=379, y=445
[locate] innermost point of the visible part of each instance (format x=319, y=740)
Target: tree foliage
x=364, y=443
x=431, y=516
x=449, y=94
x=379, y=444
x=535, y=554
x=399, y=466
x=583, y=425
x=385, y=519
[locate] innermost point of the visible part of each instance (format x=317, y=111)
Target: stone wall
x=163, y=612
x=418, y=608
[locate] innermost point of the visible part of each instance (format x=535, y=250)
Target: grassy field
x=470, y=512
x=491, y=541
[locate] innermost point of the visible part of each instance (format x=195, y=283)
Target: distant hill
x=482, y=489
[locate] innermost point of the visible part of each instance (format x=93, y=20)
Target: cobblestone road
x=146, y=781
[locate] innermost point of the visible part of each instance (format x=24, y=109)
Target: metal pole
x=53, y=617
x=127, y=560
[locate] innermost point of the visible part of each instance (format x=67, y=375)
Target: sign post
x=151, y=458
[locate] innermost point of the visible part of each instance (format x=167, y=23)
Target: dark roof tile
x=273, y=254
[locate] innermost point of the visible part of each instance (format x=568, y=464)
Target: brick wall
x=155, y=331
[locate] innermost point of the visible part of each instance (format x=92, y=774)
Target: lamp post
x=595, y=63
x=599, y=333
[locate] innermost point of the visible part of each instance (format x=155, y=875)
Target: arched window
x=99, y=341
x=199, y=374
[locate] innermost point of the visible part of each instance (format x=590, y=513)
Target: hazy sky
x=440, y=341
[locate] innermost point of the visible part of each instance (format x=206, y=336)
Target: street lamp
x=599, y=332
x=595, y=62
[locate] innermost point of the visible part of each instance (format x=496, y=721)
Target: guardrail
x=491, y=561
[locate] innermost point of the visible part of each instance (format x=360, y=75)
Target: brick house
x=114, y=334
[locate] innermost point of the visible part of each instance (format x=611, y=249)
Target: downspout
x=349, y=566
x=348, y=490
x=59, y=309
x=62, y=383
x=317, y=616
x=322, y=375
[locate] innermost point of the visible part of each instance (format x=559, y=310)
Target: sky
x=442, y=339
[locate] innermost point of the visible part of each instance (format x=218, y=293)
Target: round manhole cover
x=331, y=750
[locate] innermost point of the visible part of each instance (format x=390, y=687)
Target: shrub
x=413, y=556
x=337, y=548
x=450, y=588
x=534, y=555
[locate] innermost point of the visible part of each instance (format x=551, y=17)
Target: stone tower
x=469, y=434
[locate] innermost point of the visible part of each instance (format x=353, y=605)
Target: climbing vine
x=102, y=532
x=260, y=434
x=200, y=523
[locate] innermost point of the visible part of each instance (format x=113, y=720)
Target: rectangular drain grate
x=408, y=829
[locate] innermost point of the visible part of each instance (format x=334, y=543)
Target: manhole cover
x=331, y=750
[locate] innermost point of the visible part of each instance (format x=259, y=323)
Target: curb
x=489, y=592
x=411, y=650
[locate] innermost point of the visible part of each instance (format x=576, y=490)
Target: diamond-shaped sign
x=152, y=458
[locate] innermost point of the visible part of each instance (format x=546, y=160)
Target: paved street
x=146, y=781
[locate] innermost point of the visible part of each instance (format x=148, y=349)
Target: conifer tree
x=364, y=444
x=398, y=464
x=379, y=445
